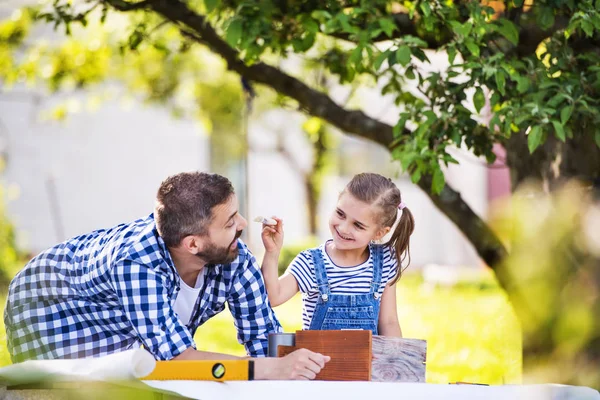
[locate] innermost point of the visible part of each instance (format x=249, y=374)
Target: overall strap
x=377, y=269
x=320, y=273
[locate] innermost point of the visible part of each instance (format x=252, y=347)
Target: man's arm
x=300, y=365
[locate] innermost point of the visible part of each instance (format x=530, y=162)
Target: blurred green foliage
x=288, y=252
x=9, y=255
x=554, y=268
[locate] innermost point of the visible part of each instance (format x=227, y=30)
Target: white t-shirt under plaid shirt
x=342, y=280
x=115, y=289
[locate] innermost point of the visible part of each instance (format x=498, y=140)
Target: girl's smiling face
x=353, y=223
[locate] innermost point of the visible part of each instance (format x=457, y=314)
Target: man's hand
x=272, y=236
x=302, y=364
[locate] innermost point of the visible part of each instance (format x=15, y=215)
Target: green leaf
x=438, y=181
x=426, y=8
x=374, y=33
x=449, y=159
x=558, y=128
x=495, y=121
x=500, y=81
x=379, y=59
x=234, y=32
x=346, y=27
x=410, y=73
x=388, y=26
x=310, y=25
x=456, y=138
x=356, y=55
x=495, y=99
x=569, y=131
x=534, y=138
x=302, y=45
x=479, y=99
x=210, y=5
x=403, y=55
x=461, y=29
x=407, y=159
x=545, y=18
x=522, y=84
x=488, y=70
x=420, y=54
x=588, y=28
x=392, y=58
x=518, y=3
x=416, y=176
x=399, y=127
x=320, y=15
x=451, y=54
x=508, y=30
x=135, y=39
x=409, y=39
x=565, y=114
x=473, y=48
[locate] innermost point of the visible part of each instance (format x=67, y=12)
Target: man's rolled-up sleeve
x=144, y=298
x=249, y=305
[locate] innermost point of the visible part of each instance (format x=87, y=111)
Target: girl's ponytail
x=400, y=240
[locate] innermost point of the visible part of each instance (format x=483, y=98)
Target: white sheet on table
x=130, y=364
x=296, y=390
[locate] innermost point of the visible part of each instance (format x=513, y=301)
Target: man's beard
x=213, y=254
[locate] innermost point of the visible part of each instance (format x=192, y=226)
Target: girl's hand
x=272, y=236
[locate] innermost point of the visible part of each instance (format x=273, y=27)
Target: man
x=151, y=282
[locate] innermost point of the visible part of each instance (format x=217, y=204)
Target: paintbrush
x=265, y=221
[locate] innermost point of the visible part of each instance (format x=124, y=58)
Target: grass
x=471, y=331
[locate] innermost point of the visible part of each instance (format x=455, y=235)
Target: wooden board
x=398, y=360
x=392, y=359
x=350, y=353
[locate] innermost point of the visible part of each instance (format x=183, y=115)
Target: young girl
x=349, y=282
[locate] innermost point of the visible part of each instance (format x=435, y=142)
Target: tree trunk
x=311, y=205
x=554, y=162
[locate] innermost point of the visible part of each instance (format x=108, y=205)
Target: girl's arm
x=388, y=314
x=281, y=289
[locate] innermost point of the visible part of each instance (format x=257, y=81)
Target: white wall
x=105, y=166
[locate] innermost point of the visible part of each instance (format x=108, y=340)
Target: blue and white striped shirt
x=342, y=280
x=114, y=289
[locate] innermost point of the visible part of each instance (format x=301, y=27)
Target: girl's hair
x=381, y=192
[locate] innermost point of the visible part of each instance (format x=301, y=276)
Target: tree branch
x=320, y=105
x=125, y=6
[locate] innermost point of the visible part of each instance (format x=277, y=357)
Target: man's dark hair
x=184, y=204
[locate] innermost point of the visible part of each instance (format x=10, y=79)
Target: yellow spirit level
x=203, y=370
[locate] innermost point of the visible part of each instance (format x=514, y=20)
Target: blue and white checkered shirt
x=114, y=289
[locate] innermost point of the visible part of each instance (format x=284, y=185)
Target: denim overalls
x=342, y=311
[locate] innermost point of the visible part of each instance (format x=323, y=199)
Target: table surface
x=292, y=390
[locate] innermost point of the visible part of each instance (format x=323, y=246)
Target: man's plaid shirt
x=114, y=289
